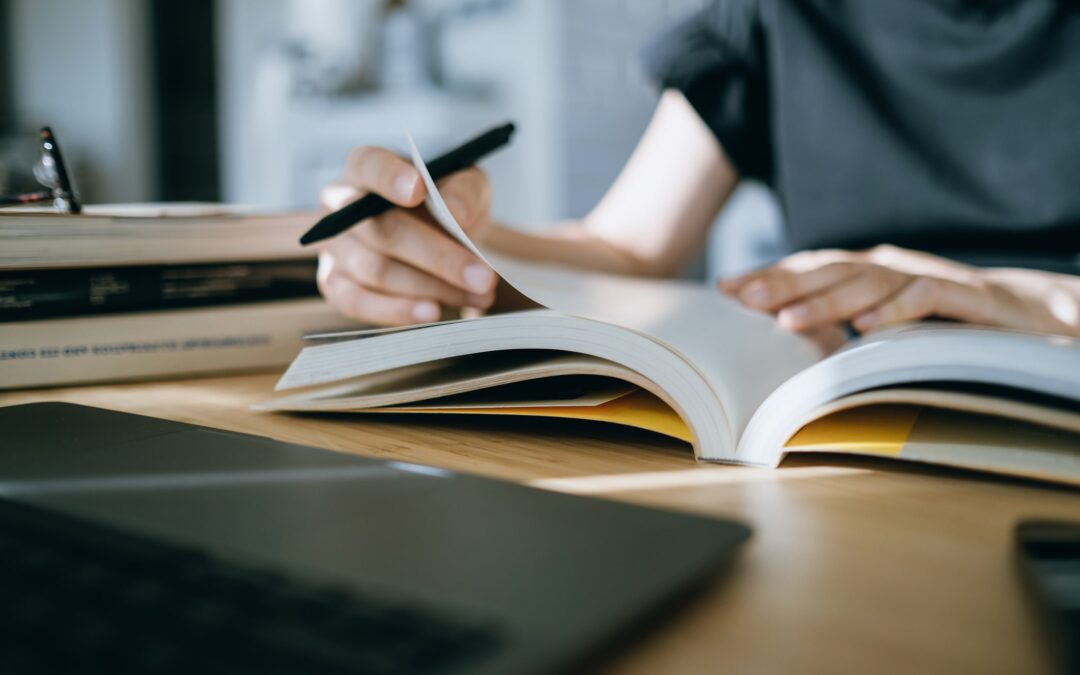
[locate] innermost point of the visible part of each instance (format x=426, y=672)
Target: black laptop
x=134, y=544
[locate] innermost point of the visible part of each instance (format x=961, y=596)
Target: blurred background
x=259, y=101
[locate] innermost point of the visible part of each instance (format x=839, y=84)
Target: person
x=926, y=154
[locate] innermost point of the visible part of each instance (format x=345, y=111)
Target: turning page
x=743, y=355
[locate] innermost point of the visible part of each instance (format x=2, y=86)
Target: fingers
x=914, y=301
x=928, y=297
x=378, y=272
x=363, y=304
x=381, y=171
x=399, y=267
x=883, y=286
x=336, y=195
x=801, y=262
x=374, y=170
x=406, y=238
x=843, y=301
x=828, y=338
x=779, y=286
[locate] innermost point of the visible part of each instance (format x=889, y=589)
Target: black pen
x=372, y=205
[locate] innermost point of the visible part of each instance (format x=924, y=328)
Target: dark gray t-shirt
x=951, y=126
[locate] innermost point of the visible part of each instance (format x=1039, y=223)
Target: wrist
x=1049, y=302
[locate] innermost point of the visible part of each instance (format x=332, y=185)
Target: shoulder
x=717, y=58
x=719, y=34
x=725, y=22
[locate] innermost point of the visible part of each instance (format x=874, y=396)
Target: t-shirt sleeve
x=716, y=58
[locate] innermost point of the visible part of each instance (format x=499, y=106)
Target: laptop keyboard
x=80, y=597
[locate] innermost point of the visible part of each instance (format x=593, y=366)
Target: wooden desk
x=855, y=567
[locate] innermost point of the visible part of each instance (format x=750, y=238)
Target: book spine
x=50, y=294
x=182, y=343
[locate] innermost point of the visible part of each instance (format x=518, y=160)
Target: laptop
x=135, y=543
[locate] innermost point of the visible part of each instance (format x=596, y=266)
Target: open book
x=682, y=360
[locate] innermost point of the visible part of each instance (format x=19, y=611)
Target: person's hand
x=888, y=285
x=401, y=268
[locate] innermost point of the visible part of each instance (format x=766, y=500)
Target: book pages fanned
x=706, y=329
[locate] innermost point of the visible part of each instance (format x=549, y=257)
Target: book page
x=638, y=409
x=923, y=364
x=437, y=380
x=947, y=436
x=743, y=355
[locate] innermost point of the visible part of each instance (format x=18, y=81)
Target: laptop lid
x=563, y=576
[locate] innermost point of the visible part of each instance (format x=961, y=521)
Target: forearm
x=654, y=219
x=571, y=244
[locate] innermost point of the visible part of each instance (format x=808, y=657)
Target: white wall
x=246, y=29
x=81, y=67
x=278, y=148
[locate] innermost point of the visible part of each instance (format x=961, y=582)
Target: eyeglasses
x=51, y=173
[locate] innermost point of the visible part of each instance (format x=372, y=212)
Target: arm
x=401, y=268
x=656, y=216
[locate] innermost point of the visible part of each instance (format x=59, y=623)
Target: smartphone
x=1049, y=558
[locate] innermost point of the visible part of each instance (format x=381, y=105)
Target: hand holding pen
x=398, y=266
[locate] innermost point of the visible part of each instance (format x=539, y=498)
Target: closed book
x=80, y=291
x=145, y=234
x=145, y=345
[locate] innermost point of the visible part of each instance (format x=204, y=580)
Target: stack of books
x=132, y=292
